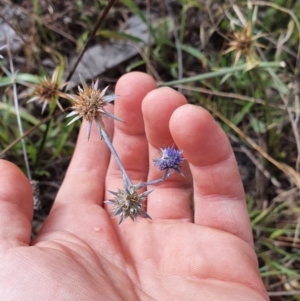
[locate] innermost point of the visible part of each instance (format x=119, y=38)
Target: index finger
x=88, y=167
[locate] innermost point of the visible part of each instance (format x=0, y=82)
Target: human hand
x=81, y=253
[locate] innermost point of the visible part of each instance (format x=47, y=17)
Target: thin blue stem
x=126, y=178
x=153, y=182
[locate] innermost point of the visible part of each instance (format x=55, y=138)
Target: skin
x=81, y=253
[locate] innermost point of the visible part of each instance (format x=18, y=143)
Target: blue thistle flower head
x=170, y=159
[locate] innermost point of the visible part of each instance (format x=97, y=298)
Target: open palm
x=183, y=253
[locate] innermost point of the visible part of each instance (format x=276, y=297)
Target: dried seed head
x=244, y=43
x=48, y=90
x=170, y=160
x=89, y=104
x=128, y=203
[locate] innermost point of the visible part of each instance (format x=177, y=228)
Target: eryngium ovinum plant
x=89, y=104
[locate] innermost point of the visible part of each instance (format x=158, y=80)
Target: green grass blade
x=220, y=72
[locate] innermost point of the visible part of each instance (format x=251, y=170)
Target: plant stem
x=222, y=71
x=126, y=178
x=19, y=121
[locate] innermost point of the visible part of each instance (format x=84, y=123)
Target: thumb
x=16, y=207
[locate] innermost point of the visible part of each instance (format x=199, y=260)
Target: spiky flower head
x=244, y=43
x=48, y=90
x=128, y=203
x=89, y=104
x=170, y=160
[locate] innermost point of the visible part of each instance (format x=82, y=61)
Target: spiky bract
x=48, y=90
x=89, y=104
x=128, y=203
x=244, y=43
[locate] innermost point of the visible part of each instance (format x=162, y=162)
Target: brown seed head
x=48, y=90
x=243, y=43
x=89, y=104
x=242, y=40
